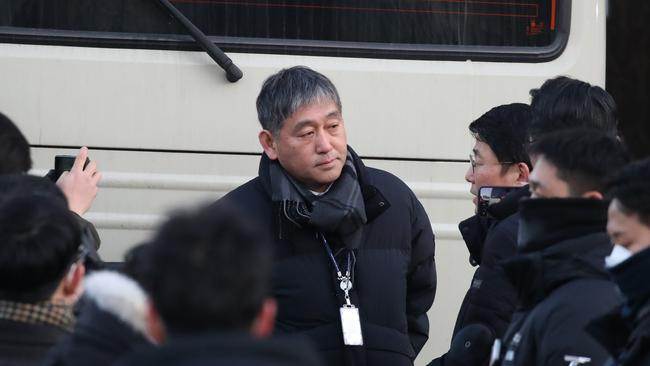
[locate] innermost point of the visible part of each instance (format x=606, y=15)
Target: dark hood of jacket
x=474, y=229
x=559, y=240
x=226, y=349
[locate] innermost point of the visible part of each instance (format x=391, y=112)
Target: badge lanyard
x=345, y=281
x=350, y=321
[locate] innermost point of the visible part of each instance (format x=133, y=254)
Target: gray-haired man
x=354, y=251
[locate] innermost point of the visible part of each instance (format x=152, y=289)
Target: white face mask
x=618, y=255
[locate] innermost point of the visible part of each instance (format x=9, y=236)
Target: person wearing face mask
x=625, y=332
x=559, y=269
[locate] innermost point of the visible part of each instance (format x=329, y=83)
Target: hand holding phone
x=78, y=181
x=488, y=196
x=64, y=163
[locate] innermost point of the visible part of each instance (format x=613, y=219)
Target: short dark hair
x=39, y=238
x=565, y=103
x=14, y=149
x=584, y=158
x=211, y=269
x=505, y=130
x=137, y=266
x=22, y=184
x=290, y=89
x=631, y=187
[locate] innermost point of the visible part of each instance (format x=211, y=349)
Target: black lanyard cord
x=351, y=259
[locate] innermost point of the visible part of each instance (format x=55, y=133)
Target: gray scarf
x=340, y=211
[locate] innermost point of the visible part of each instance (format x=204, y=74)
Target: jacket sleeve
x=421, y=280
x=90, y=241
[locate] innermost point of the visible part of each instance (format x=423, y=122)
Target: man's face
x=312, y=145
x=627, y=230
x=487, y=171
x=544, y=182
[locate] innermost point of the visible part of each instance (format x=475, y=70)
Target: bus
x=169, y=130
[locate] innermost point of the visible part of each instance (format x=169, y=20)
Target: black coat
x=224, y=349
x=491, y=298
x=625, y=332
x=394, y=279
x=99, y=339
x=561, y=282
x=24, y=344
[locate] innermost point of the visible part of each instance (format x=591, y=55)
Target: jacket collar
x=474, y=229
x=46, y=313
x=631, y=276
x=535, y=275
x=557, y=246
x=544, y=222
x=509, y=204
x=625, y=331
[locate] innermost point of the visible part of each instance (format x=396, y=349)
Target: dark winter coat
x=625, y=332
x=225, y=349
x=561, y=283
x=394, y=275
x=491, y=298
x=25, y=344
x=99, y=339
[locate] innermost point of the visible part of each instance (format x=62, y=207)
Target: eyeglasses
x=474, y=164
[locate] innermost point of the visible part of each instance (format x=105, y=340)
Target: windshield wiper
x=233, y=73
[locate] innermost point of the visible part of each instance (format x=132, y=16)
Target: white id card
x=351, y=326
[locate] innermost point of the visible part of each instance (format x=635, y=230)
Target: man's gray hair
x=289, y=90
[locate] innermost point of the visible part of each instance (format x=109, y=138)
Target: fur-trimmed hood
x=119, y=296
x=112, y=323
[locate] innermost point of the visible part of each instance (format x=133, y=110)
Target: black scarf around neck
x=340, y=211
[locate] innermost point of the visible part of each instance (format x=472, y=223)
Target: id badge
x=351, y=325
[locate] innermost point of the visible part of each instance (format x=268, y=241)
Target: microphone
x=472, y=345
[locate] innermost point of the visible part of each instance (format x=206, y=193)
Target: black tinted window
x=493, y=23
x=348, y=23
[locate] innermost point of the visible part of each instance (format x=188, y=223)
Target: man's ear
x=73, y=283
x=155, y=328
x=267, y=141
x=593, y=195
x=265, y=320
x=524, y=173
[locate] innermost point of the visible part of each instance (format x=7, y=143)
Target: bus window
x=429, y=29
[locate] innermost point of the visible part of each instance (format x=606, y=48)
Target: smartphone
x=487, y=196
x=64, y=163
